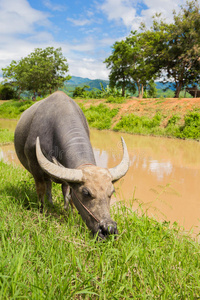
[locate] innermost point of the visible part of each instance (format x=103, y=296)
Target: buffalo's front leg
x=48, y=191
x=40, y=189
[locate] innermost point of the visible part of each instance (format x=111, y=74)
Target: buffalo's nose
x=108, y=228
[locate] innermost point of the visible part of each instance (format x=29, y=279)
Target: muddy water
x=164, y=174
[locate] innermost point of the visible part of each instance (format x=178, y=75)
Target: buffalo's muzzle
x=106, y=229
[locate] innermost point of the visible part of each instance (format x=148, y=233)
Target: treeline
x=167, y=51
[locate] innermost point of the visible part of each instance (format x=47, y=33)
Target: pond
x=163, y=179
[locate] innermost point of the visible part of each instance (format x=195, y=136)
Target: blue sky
x=84, y=29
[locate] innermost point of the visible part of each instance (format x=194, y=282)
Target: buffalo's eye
x=86, y=193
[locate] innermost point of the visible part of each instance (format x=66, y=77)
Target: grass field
x=6, y=136
x=54, y=256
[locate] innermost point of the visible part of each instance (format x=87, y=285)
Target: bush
x=100, y=116
x=7, y=92
x=191, y=128
x=136, y=124
x=173, y=120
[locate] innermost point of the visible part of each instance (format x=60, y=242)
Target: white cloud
x=119, y=10
x=53, y=6
x=87, y=68
x=165, y=7
x=18, y=17
x=80, y=22
x=18, y=33
x=126, y=11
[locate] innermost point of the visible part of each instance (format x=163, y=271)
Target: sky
x=84, y=29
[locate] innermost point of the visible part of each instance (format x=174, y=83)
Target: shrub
x=100, y=116
x=191, y=128
x=173, y=120
x=136, y=124
x=7, y=92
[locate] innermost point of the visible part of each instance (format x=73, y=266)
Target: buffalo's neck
x=74, y=147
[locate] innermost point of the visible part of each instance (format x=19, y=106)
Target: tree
x=175, y=48
x=183, y=59
x=129, y=64
x=118, y=63
x=41, y=71
x=142, y=69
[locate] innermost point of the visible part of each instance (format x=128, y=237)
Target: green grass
x=151, y=126
x=112, y=99
x=6, y=136
x=140, y=125
x=13, y=109
x=54, y=256
x=100, y=116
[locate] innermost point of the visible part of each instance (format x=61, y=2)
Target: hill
x=92, y=83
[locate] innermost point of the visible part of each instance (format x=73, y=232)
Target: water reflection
x=160, y=169
x=164, y=174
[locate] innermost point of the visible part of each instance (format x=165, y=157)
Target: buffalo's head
x=92, y=188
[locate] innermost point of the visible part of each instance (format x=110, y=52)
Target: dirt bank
x=149, y=107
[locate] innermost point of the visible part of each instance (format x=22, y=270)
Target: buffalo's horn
x=56, y=171
x=120, y=170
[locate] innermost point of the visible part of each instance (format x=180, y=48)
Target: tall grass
x=13, y=109
x=54, y=256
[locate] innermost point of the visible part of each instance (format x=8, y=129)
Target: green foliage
x=112, y=99
x=54, y=256
x=13, y=109
x=173, y=120
x=79, y=91
x=135, y=124
x=100, y=116
x=191, y=128
x=41, y=71
x=7, y=92
x=151, y=90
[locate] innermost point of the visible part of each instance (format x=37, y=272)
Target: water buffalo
x=52, y=142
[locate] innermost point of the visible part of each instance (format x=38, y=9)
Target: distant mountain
x=168, y=85
x=96, y=83
x=92, y=83
x=76, y=81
